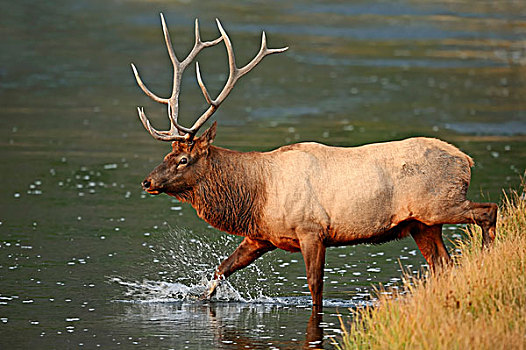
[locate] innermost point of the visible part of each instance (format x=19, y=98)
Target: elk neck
x=231, y=191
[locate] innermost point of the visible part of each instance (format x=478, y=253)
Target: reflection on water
x=88, y=259
x=229, y=326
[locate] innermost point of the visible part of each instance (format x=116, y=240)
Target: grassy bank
x=478, y=304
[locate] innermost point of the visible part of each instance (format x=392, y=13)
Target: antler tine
x=202, y=85
x=158, y=135
x=198, y=46
x=145, y=89
x=169, y=46
x=173, y=103
x=234, y=74
x=230, y=51
x=263, y=51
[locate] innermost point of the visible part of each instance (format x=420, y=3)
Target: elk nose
x=146, y=184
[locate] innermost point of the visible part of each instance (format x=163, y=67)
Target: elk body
x=308, y=196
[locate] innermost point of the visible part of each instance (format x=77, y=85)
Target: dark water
x=89, y=260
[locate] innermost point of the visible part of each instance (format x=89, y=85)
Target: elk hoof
x=210, y=289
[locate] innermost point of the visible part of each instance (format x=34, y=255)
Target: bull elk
x=308, y=196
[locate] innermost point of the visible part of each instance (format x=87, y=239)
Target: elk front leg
x=313, y=251
x=248, y=251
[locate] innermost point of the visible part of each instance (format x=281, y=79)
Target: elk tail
x=470, y=161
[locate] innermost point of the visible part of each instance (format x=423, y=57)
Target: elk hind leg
x=429, y=241
x=481, y=214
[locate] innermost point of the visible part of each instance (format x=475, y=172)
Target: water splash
x=149, y=291
x=183, y=265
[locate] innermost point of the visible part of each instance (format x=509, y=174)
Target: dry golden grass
x=480, y=303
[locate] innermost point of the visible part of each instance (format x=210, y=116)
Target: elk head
x=182, y=168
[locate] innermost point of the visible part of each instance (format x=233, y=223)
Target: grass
x=480, y=303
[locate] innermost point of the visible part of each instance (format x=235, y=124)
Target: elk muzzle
x=149, y=186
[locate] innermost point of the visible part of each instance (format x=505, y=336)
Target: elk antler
x=177, y=131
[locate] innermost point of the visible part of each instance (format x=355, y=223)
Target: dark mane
x=231, y=194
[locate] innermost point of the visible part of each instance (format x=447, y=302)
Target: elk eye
x=183, y=160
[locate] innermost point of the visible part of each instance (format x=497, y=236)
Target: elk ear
x=209, y=135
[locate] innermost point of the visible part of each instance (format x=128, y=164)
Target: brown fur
x=231, y=194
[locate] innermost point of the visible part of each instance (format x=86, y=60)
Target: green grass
x=480, y=303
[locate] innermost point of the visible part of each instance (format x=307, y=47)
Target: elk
x=306, y=197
